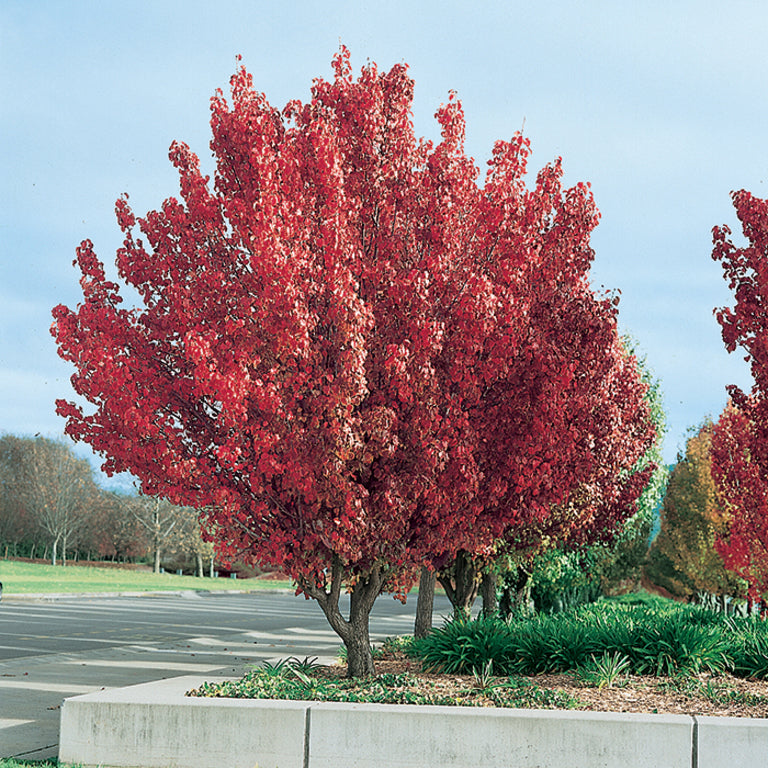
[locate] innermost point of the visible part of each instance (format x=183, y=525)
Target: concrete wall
x=156, y=726
x=732, y=742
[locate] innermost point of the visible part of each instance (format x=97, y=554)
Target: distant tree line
x=52, y=508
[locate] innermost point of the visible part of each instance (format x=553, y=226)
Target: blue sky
x=660, y=105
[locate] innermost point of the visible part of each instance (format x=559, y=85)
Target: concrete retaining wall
x=155, y=726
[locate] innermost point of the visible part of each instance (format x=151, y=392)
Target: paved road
x=53, y=649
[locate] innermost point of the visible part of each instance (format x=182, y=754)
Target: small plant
x=376, y=652
x=304, y=665
x=483, y=679
x=277, y=669
x=605, y=671
x=398, y=643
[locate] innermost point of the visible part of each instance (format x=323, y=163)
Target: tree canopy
x=349, y=353
x=684, y=558
x=740, y=442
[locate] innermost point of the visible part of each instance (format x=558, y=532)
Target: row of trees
x=51, y=506
x=358, y=361
x=559, y=574
x=714, y=535
x=684, y=558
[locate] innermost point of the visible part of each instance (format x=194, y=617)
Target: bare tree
x=167, y=526
x=16, y=525
x=201, y=549
x=53, y=486
x=112, y=530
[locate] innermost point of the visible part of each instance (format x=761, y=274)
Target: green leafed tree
x=683, y=559
x=619, y=563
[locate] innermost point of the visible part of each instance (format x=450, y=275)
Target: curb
x=155, y=725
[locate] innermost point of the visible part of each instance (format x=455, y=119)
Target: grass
x=11, y=763
x=20, y=578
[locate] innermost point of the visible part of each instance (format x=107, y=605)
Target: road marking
x=58, y=687
x=9, y=723
x=187, y=651
x=103, y=641
x=179, y=667
x=24, y=648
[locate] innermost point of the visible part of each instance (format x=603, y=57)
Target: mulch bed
x=659, y=695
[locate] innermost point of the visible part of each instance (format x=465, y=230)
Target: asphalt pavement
x=51, y=649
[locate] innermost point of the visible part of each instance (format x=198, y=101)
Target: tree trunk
x=353, y=632
x=358, y=645
x=460, y=582
x=157, y=560
x=516, y=594
x=425, y=603
x=53, y=550
x=488, y=592
x=200, y=573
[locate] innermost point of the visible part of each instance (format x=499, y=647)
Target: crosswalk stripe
x=58, y=687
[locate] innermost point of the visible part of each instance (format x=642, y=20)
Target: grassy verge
x=30, y=578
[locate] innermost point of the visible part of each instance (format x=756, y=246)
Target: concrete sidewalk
x=33, y=688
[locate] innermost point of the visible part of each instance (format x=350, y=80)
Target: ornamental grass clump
x=461, y=646
x=749, y=652
x=606, y=671
x=676, y=645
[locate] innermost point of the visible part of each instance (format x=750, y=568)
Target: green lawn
x=26, y=578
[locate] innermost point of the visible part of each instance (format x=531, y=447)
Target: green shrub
x=655, y=638
x=750, y=653
x=461, y=646
x=678, y=645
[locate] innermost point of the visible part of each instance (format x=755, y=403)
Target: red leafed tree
x=584, y=459
x=351, y=354
x=742, y=542
x=740, y=440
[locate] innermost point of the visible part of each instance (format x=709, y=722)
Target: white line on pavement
x=9, y=723
x=59, y=687
x=122, y=664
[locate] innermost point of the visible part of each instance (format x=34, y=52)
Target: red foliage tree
x=740, y=441
x=742, y=541
x=353, y=356
x=600, y=431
